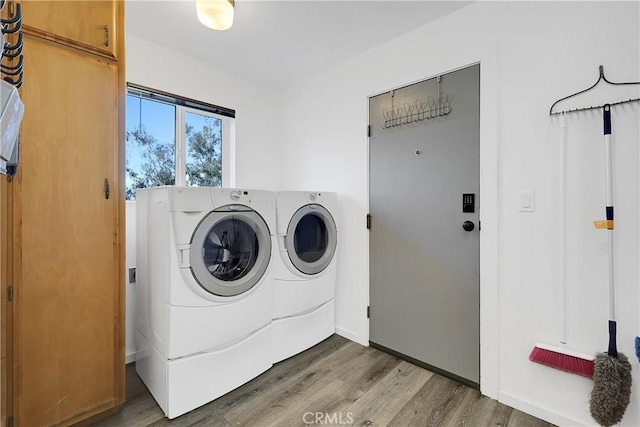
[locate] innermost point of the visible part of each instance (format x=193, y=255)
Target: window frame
x=183, y=106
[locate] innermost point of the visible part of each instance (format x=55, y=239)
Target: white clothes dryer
x=204, y=291
x=305, y=271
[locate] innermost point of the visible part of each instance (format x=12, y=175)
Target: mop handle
x=613, y=352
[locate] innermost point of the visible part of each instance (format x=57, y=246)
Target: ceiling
x=279, y=42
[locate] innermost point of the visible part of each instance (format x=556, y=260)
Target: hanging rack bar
x=12, y=71
x=12, y=51
x=12, y=47
x=15, y=18
x=6, y=68
x=594, y=107
x=17, y=83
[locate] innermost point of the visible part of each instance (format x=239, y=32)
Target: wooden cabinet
x=86, y=25
x=67, y=207
x=5, y=238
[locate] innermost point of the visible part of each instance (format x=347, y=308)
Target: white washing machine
x=204, y=291
x=304, y=271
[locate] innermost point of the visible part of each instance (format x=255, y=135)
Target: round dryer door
x=311, y=239
x=230, y=250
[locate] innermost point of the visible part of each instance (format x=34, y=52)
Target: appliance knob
x=468, y=226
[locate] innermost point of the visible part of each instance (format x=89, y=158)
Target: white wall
x=256, y=161
x=531, y=54
x=258, y=109
x=130, y=224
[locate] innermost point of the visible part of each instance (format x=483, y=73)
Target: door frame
x=488, y=207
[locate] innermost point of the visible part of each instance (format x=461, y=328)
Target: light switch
x=527, y=202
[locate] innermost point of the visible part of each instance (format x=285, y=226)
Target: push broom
x=612, y=374
x=560, y=357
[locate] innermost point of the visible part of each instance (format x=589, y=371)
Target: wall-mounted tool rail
x=11, y=59
x=602, y=78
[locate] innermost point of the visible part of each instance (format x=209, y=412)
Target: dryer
x=204, y=291
x=304, y=271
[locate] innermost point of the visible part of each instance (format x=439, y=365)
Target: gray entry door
x=424, y=266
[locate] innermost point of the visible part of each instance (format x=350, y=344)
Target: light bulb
x=215, y=14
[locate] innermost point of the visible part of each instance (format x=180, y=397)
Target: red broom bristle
x=563, y=362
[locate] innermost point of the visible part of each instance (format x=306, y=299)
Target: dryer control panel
x=315, y=197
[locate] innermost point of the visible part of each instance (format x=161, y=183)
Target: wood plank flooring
x=337, y=382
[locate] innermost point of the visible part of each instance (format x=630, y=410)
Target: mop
x=612, y=371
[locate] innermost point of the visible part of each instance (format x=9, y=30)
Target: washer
x=305, y=271
x=204, y=291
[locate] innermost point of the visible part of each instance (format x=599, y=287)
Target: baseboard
x=537, y=411
x=130, y=358
x=350, y=336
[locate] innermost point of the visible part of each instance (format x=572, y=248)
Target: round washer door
x=311, y=239
x=230, y=250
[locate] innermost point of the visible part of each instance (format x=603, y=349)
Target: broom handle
x=563, y=222
x=613, y=352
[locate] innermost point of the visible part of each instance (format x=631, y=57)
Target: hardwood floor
x=337, y=382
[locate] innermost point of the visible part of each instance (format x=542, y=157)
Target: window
x=175, y=141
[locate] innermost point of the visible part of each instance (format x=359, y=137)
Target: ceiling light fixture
x=216, y=14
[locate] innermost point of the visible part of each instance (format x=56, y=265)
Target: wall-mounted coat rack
x=418, y=111
x=602, y=78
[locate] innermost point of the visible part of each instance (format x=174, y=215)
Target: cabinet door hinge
x=106, y=35
x=10, y=293
x=369, y=130
x=368, y=311
x=368, y=221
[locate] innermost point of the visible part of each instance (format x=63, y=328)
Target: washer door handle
x=184, y=256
